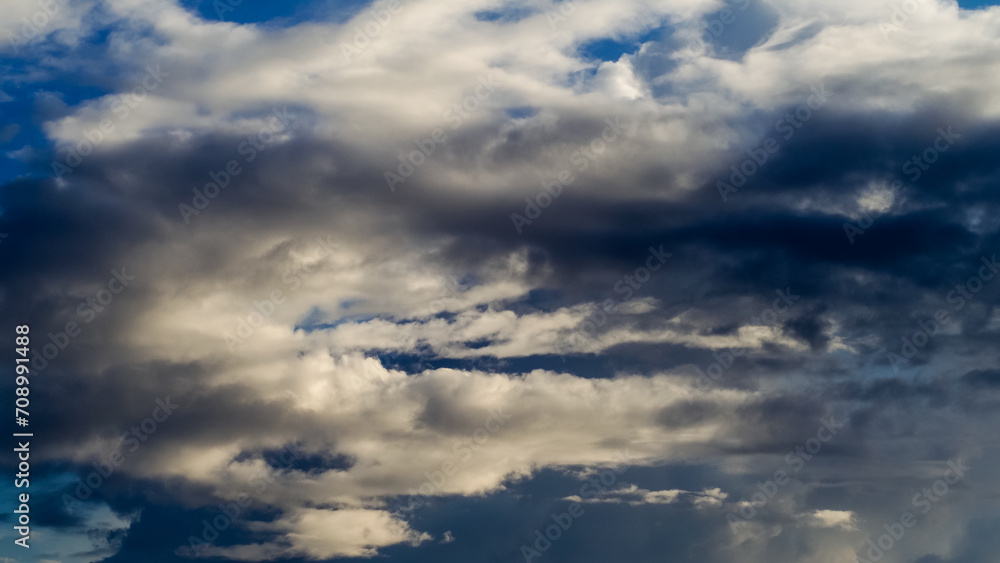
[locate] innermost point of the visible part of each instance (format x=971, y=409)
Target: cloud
x=635, y=496
x=415, y=347
x=843, y=519
x=324, y=534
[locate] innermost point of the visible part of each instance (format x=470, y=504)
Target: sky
x=500, y=281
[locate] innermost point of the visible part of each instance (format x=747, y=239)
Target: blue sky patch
x=521, y=112
x=511, y=15
x=282, y=14
x=610, y=49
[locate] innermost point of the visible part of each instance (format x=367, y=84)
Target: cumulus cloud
x=323, y=534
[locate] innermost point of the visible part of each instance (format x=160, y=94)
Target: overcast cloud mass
x=456, y=281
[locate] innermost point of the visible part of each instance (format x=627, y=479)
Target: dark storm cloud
x=715, y=243
x=811, y=327
x=721, y=243
x=982, y=378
